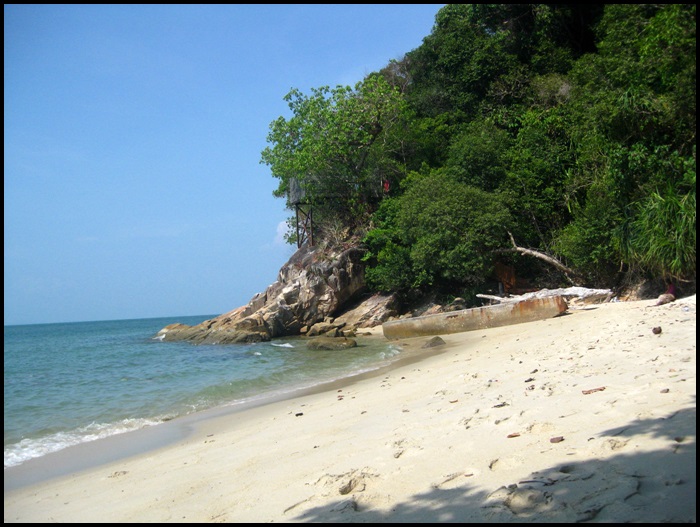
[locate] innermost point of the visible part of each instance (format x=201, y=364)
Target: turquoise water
x=70, y=383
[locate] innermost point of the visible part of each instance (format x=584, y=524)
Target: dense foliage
x=337, y=148
x=568, y=128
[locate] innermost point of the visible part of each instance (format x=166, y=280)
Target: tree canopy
x=569, y=127
x=338, y=147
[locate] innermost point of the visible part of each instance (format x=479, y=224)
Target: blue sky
x=133, y=133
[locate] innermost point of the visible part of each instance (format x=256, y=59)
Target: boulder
x=313, y=285
x=434, y=342
x=330, y=343
x=369, y=312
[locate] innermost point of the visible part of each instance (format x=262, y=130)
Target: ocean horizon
x=76, y=382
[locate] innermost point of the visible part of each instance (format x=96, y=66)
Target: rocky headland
x=318, y=292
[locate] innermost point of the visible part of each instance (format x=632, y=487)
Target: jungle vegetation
x=565, y=128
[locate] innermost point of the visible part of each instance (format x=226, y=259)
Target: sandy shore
x=586, y=417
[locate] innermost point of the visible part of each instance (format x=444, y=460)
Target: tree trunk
x=545, y=258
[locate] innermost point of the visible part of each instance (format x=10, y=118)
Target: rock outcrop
x=331, y=343
x=311, y=287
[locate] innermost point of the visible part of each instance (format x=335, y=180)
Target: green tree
x=659, y=233
x=536, y=168
x=477, y=156
x=481, y=56
x=633, y=105
x=439, y=233
x=337, y=147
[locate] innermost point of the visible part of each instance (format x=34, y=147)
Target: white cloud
x=281, y=231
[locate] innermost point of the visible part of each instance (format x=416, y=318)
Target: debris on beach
x=572, y=295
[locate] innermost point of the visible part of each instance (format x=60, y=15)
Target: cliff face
x=313, y=285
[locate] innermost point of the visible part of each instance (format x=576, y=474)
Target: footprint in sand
x=527, y=501
x=548, y=389
x=540, y=428
x=455, y=479
x=402, y=446
x=506, y=463
x=615, y=444
x=351, y=482
x=506, y=502
x=353, y=485
x=468, y=422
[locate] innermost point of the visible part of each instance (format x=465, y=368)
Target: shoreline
x=455, y=435
x=90, y=455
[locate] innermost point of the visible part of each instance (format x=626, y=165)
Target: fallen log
x=485, y=317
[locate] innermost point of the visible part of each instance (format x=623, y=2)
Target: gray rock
x=330, y=343
x=434, y=342
x=311, y=287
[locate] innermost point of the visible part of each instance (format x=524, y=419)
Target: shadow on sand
x=652, y=486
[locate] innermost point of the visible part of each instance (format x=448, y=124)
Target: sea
x=72, y=383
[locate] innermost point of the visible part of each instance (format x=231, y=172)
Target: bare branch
x=544, y=257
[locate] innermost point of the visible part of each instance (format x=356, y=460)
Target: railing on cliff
x=303, y=209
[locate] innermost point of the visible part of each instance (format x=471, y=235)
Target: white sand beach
x=585, y=417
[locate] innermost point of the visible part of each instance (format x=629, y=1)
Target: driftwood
x=583, y=294
x=502, y=299
x=484, y=317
